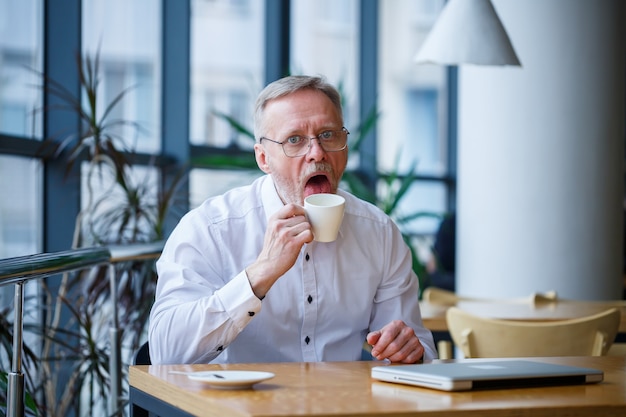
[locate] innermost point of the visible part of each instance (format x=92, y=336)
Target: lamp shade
x=468, y=32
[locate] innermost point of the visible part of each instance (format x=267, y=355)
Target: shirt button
x=251, y=313
x=310, y=299
x=307, y=340
x=307, y=257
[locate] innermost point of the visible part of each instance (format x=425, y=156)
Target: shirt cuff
x=239, y=300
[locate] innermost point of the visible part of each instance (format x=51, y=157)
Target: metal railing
x=20, y=270
x=122, y=253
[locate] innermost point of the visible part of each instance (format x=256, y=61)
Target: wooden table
x=346, y=389
x=434, y=314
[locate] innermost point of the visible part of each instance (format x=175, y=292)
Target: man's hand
x=397, y=342
x=287, y=231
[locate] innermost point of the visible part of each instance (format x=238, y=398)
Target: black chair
x=142, y=357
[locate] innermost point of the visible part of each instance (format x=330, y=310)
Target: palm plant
x=99, y=134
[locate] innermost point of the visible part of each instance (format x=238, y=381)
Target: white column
x=541, y=155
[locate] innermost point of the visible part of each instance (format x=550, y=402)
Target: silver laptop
x=486, y=374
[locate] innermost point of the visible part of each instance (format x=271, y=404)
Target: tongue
x=316, y=185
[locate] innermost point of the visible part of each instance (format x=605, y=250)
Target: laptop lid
x=483, y=374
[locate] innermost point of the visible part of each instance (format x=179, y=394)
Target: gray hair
x=289, y=85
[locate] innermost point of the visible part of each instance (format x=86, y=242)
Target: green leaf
x=235, y=125
x=225, y=162
x=362, y=129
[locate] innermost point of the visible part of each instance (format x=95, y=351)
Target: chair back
x=142, y=356
x=480, y=337
x=437, y=295
x=442, y=296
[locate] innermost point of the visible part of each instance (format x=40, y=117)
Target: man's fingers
x=393, y=341
x=411, y=352
x=373, y=337
x=398, y=343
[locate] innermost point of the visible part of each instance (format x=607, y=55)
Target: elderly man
x=242, y=280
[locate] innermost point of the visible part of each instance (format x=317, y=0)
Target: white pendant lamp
x=468, y=32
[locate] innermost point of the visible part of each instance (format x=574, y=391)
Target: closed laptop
x=486, y=374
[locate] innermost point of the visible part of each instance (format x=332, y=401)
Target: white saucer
x=230, y=379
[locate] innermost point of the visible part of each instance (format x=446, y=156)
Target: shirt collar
x=270, y=198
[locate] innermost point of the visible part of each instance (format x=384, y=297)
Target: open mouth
x=317, y=184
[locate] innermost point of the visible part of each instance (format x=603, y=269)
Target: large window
x=228, y=46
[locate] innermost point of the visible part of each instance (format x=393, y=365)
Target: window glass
x=205, y=183
x=129, y=67
x=324, y=41
x=20, y=62
x=227, y=52
x=20, y=178
x=426, y=198
x=413, y=125
x=20, y=215
x=412, y=128
x=130, y=60
x=106, y=203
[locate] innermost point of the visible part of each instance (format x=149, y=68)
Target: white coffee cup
x=325, y=213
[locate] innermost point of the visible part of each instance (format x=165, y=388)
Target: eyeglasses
x=329, y=140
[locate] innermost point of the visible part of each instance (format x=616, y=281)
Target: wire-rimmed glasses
x=298, y=145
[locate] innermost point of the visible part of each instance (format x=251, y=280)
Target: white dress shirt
x=320, y=310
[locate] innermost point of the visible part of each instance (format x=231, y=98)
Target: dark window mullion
x=62, y=43
x=176, y=70
x=277, y=39
x=452, y=88
x=368, y=85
